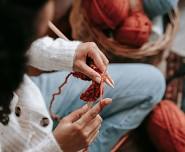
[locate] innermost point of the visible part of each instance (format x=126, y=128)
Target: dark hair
x=17, y=31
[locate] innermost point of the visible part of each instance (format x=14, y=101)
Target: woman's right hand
x=78, y=130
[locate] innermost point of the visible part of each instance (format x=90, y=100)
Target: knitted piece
x=93, y=92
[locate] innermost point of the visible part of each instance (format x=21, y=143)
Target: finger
x=105, y=60
x=76, y=115
x=100, y=118
x=93, y=125
x=93, y=136
x=93, y=112
x=94, y=54
x=84, y=150
x=109, y=78
x=95, y=129
x=88, y=71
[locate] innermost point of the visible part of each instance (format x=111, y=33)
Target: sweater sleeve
x=47, y=144
x=48, y=54
x=26, y=136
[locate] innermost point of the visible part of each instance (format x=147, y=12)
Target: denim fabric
x=138, y=88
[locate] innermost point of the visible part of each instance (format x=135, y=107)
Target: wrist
x=56, y=135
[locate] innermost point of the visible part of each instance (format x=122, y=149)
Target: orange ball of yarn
x=135, y=30
x=166, y=127
x=107, y=13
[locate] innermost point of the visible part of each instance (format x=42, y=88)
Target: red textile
x=135, y=30
x=92, y=93
x=107, y=13
x=166, y=127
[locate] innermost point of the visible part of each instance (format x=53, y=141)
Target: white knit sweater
x=30, y=126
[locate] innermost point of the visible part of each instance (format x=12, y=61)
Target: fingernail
x=98, y=79
x=109, y=83
x=109, y=77
x=112, y=81
x=108, y=100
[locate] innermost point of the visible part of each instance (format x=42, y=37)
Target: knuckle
x=99, y=118
x=92, y=75
x=93, y=44
x=92, y=114
x=78, y=128
x=106, y=61
x=76, y=64
x=89, y=45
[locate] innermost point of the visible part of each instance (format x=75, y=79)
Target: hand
x=78, y=130
x=90, y=50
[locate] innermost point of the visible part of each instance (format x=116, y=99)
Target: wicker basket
x=150, y=52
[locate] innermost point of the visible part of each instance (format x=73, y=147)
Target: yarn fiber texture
x=166, y=127
x=125, y=19
x=135, y=30
x=107, y=13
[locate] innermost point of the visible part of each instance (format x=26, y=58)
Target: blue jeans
x=138, y=88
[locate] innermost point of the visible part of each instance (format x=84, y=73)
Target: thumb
x=93, y=112
x=75, y=115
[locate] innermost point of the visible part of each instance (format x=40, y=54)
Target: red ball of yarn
x=135, y=30
x=166, y=127
x=107, y=13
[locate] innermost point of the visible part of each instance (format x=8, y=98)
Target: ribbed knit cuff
x=48, y=54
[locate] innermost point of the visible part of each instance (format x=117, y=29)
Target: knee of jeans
x=155, y=83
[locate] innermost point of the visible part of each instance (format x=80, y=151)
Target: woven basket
x=150, y=52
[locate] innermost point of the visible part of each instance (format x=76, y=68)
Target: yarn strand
x=60, y=88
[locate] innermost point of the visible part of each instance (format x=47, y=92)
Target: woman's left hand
x=90, y=50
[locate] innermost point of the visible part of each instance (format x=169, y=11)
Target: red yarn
x=107, y=13
x=166, y=127
x=92, y=93
x=135, y=30
x=135, y=26
x=136, y=6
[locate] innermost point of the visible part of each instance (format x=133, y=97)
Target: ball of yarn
x=158, y=7
x=135, y=30
x=106, y=13
x=136, y=6
x=166, y=127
